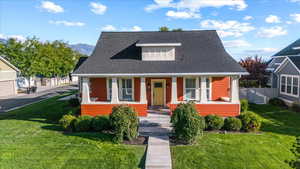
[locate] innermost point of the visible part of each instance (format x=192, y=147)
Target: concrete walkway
x=157, y=127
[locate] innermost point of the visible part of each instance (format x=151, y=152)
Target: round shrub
x=214, y=122
x=277, y=102
x=124, y=122
x=83, y=123
x=187, y=123
x=100, y=123
x=67, y=122
x=250, y=122
x=232, y=124
x=244, y=105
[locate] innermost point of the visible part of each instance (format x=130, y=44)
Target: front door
x=158, y=93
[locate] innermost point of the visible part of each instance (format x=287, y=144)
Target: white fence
x=258, y=95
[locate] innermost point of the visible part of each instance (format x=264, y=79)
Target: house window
x=126, y=89
x=190, y=89
x=289, y=85
x=158, y=53
x=208, y=88
x=109, y=89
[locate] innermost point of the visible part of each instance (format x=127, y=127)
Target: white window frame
x=196, y=88
x=107, y=88
x=210, y=89
x=292, y=85
x=120, y=88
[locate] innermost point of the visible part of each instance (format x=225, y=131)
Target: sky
x=246, y=27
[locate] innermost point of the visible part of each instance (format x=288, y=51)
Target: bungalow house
x=285, y=72
x=8, y=76
x=160, y=69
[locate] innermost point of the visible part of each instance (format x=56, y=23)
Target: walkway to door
x=157, y=127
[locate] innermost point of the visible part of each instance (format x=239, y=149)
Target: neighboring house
x=285, y=72
x=8, y=76
x=160, y=69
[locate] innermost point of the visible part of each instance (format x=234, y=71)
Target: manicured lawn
x=31, y=139
x=269, y=149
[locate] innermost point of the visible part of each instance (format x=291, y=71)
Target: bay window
x=190, y=89
x=289, y=85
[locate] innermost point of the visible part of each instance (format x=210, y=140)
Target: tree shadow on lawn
x=278, y=120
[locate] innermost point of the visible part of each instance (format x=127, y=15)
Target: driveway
x=10, y=103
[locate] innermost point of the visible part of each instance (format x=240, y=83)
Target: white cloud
x=51, y=7
x=247, y=18
x=109, y=28
x=296, y=17
x=294, y=1
x=272, y=19
x=261, y=50
x=67, y=23
x=136, y=28
x=272, y=32
x=98, y=8
x=227, y=28
x=236, y=43
x=182, y=15
x=17, y=37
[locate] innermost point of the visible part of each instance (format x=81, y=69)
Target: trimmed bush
x=100, y=123
x=296, y=106
x=67, y=122
x=124, y=122
x=74, y=102
x=244, y=105
x=232, y=124
x=187, y=123
x=277, y=102
x=83, y=123
x=214, y=122
x=250, y=122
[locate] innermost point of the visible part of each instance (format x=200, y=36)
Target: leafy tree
x=163, y=29
x=177, y=30
x=256, y=66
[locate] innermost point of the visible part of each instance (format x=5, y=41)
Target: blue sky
x=246, y=27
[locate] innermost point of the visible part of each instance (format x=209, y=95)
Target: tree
x=163, y=29
x=256, y=66
x=177, y=30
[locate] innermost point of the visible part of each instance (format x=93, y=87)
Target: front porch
x=211, y=94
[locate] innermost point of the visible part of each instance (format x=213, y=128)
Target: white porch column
x=197, y=89
x=114, y=91
x=174, y=90
x=143, y=97
x=203, y=95
x=235, y=89
x=85, y=90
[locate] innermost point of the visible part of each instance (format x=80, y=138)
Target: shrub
x=83, y=123
x=124, y=122
x=244, y=105
x=67, y=122
x=100, y=123
x=250, y=122
x=232, y=124
x=277, y=102
x=296, y=106
x=214, y=122
x=187, y=122
x=74, y=102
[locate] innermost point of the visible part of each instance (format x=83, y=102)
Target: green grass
x=269, y=149
x=31, y=139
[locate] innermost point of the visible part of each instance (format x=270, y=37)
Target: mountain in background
x=3, y=40
x=83, y=48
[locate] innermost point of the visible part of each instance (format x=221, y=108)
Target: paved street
x=9, y=103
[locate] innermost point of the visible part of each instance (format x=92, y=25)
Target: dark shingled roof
x=289, y=50
x=80, y=62
x=295, y=60
x=200, y=52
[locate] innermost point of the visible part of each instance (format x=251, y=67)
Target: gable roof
x=80, y=62
x=295, y=60
x=292, y=49
x=9, y=64
x=199, y=52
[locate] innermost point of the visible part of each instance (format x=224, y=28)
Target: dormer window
x=296, y=48
x=158, y=51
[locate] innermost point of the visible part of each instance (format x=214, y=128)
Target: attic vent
x=296, y=48
x=158, y=51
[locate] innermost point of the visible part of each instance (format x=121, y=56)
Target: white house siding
x=7, y=88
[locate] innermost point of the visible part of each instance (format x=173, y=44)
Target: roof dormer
x=158, y=51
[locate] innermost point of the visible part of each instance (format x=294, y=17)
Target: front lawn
x=31, y=139
x=269, y=149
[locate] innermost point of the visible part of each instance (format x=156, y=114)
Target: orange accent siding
x=98, y=88
x=105, y=109
x=224, y=110
x=180, y=88
x=137, y=89
x=220, y=88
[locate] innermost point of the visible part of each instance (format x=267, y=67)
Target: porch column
x=235, y=89
x=197, y=89
x=203, y=95
x=85, y=90
x=114, y=91
x=143, y=97
x=174, y=90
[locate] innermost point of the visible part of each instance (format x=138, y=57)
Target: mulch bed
x=140, y=140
